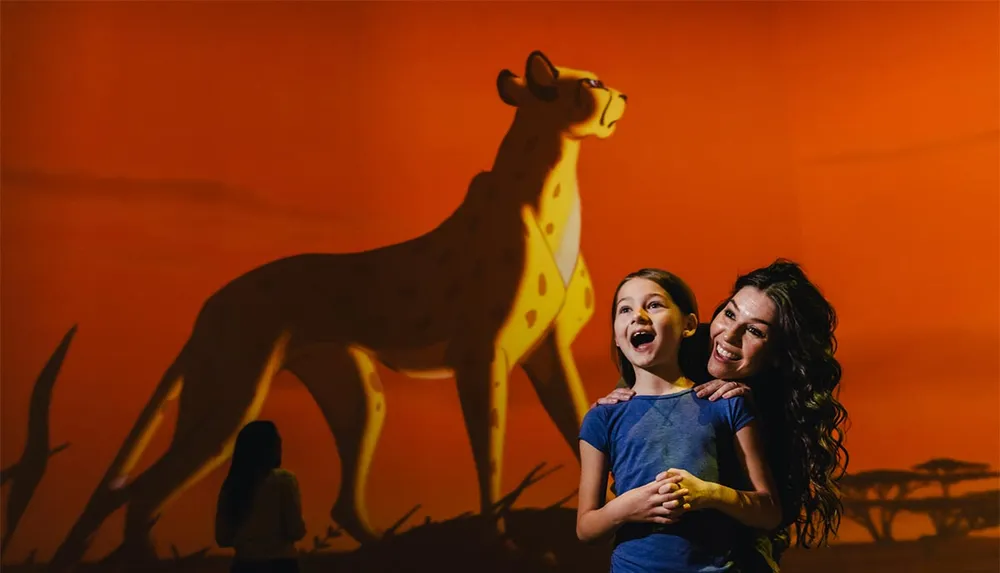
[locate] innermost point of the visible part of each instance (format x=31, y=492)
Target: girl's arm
x=758, y=508
x=594, y=519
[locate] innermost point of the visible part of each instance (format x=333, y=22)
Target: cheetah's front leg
x=553, y=374
x=551, y=367
x=482, y=391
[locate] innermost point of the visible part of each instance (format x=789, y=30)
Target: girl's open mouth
x=642, y=338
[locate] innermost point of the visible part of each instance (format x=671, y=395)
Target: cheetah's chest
x=568, y=249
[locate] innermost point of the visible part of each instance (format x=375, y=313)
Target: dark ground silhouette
x=545, y=542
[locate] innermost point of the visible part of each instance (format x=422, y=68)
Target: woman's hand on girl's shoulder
x=720, y=389
x=617, y=395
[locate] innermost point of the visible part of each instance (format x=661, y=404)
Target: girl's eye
x=623, y=310
x=655, y=305
x=755, y=332
x=729, y=314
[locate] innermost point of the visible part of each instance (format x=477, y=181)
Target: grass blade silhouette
x=560, y=503
x=505, y=503
x=399, y=523
x=27, y=473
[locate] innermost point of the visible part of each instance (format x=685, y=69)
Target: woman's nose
x=731, y=335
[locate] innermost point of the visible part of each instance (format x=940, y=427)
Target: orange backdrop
x=153, y=151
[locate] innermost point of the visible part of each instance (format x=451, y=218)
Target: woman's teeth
x=725, y=353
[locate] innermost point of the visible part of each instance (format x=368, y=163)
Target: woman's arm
x=758, y=508
x=594, y=519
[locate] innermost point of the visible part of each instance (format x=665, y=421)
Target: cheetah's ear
x=541, y=76
x=510, y=87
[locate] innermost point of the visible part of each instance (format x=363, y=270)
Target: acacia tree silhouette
x=873, y=498
x=948, y=471
x=960, y=515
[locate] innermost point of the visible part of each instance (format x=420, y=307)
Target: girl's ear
x=690, y=325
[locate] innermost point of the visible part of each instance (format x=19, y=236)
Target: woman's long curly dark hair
x=256, y=453
x=804, y=382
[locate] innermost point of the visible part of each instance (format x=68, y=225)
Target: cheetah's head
x=574, y=102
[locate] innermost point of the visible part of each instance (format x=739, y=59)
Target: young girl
x=679, y=520
x=260, y=510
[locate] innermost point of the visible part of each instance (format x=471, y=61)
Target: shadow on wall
x=507, y=261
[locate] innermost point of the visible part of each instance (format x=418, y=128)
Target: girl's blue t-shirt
x=650, y=434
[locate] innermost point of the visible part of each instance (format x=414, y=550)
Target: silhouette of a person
x=259, y=512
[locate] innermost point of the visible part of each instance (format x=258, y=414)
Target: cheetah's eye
x=594, y=83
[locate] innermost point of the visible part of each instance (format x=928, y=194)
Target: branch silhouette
x=27, y=473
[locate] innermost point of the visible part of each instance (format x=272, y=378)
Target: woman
x=259, y=511
x=775, y=334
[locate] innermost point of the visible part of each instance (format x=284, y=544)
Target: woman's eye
x=729, y=314
x=755, y=332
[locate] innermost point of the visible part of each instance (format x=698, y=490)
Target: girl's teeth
x=725, y=353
